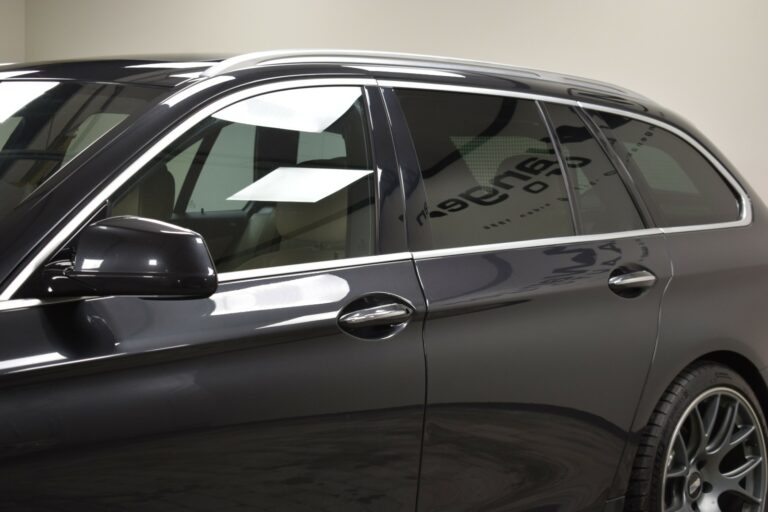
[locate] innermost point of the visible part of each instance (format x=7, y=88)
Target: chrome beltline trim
x=68, y=230
x=226, y=277
x=133, y=168
x=529, y=244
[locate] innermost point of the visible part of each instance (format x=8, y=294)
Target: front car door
x=535, y=363
x=277, y=392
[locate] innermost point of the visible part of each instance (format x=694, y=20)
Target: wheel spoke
x=680, y=505
x=677, y=472
x=741, y=435
x=740, y=472
x=698, y=421
x=679, y=458
x=722, y=437
x=710, y=416
x=744, y=495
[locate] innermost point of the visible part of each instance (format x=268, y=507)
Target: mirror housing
x=135, y=256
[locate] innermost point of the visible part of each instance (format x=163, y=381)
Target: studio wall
x=705, y=59
x=12, y=26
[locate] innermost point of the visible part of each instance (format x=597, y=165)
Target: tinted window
x=684, y=188
x=603, y=204
x=44, y=124
x=278, y=179
x=489, y=168
x=228, y=168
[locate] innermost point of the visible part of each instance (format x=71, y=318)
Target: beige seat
x=152, y=197
x=309, y=232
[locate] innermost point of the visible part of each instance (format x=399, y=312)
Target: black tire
x=685, y=409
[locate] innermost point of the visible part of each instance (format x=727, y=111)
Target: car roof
x=159, y=70
x=173, y=70
x=177, y=71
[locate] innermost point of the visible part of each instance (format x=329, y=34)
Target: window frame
x=536, y=106
x=626, y=178
x=96, y=205
x=582, y=108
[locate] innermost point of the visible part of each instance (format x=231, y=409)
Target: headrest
x=152, y=197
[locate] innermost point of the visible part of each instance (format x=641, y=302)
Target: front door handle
x=631, y=284
x=375, y=316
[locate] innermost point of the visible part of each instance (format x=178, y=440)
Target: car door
x=286, y=389
x=543, y=281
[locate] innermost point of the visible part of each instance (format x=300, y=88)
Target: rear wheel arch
x=744, y=367
x=638, y=494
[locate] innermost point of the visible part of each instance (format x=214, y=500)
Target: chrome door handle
x=385, y=314
x=639, y=279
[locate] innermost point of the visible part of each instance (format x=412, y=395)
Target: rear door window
x=683, y=187
x=490, y=170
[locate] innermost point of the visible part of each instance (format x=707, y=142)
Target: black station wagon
x=333, y=280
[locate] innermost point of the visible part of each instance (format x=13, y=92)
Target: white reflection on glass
x=89, y=264
x=299, y=184
x=303, y=110
x=187, y=75
x=14, y=74
x=16, y=95
x=303, y=291
x=27, y=361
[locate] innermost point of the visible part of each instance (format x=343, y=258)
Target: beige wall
x=706, y=59
x=12, y=24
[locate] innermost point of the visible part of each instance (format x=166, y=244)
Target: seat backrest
x=309, y=232
x=152, y=198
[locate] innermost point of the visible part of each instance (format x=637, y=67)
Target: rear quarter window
x=682, y=186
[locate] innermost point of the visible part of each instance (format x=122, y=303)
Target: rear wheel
x=704, y=449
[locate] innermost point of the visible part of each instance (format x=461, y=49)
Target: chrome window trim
x=228, y=277
x=429, y=86
x=530, y=244
x=746, y=208
x=745, y=205
x=240, y=275
x=90, y=209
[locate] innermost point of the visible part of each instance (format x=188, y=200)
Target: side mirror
x=134, y=256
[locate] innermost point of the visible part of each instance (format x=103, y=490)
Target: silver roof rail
x=274, y=57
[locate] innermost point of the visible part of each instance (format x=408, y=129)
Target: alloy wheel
x=716, y=459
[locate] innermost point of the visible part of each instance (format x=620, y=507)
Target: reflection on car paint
x=290, y=293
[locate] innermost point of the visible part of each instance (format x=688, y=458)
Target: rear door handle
x=631, y=284
x=385, y=314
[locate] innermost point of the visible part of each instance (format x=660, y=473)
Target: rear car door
x=715, y=244
x=543, y=279
x=282, y=391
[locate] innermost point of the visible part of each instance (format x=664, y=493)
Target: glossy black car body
x=520, y=381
